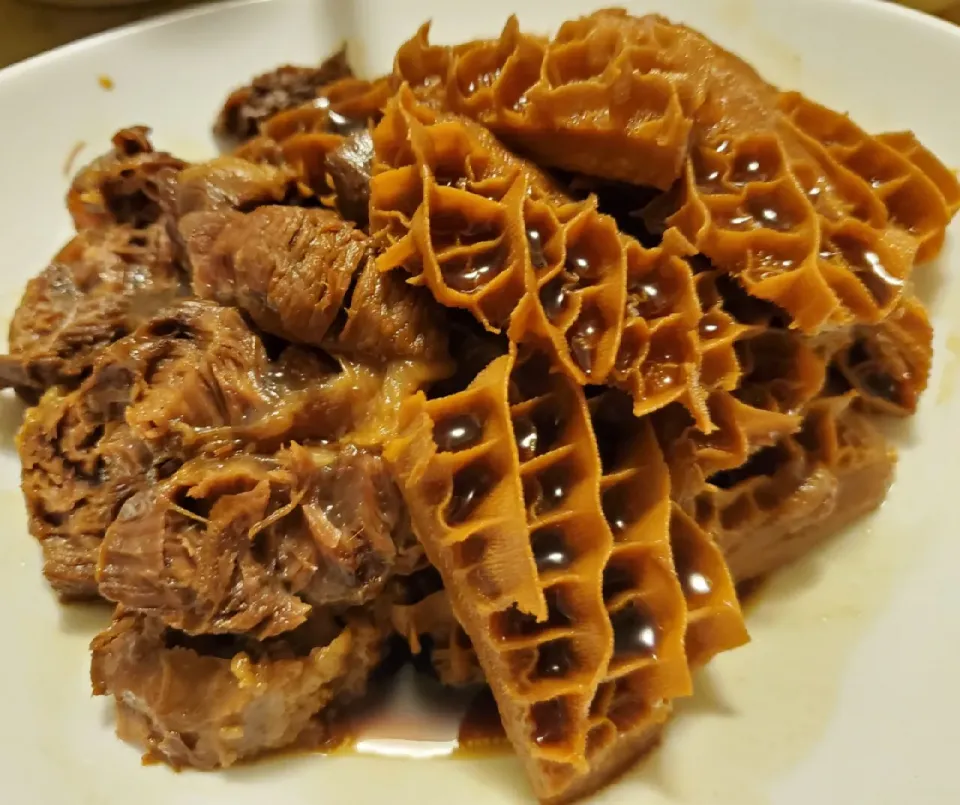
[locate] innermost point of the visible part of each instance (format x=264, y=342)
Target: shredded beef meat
x=122, y=186
x=350, y=167
x=99, y=288
x=287, y=86
x=210, y=702
x=251, y=543
x=194, y=379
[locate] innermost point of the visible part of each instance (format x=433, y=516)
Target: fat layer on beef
x=283, y=88
x=194, y=379
x=123, y=185
x=249, y=544
x=210, y=702
x=98, y=288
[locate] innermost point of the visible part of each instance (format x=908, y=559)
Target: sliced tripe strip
x=522, y=553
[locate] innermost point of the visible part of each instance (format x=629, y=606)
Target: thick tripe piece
x=99, y=287
x=648, y=666
x=792, y=495
x=505, y=498
x=601, y=98
x=212, y=702
x=739, y=431
x=488, y=232
x=123, y=185
x=888, y=364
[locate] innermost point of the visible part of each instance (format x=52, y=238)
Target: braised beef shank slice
x=122, y=186
x=194, y=379
x=249, y=544
x=99, y=288
x=211, y=702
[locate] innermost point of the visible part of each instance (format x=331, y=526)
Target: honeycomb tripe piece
x=718, y=332
x=888, y=364
x=661, y=353
x=792, y=495
x=458, y=242
x=502, y=483
x=646, y=606
x=945, y=179
x=714, y=619
x=782, y=371
x=765, y=200
x=762, y=206
x=740, y=429
x=645, y=523
x=488, y=232
x=915, y=201
x=607, y=96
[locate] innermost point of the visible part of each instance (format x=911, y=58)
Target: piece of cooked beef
x=99, y=288
x=121, y=187
x=350, y=168
x=195, y=378
x=289, y=268
x=251, y=543
x=283, y=88
x=390, y=320
x=221, y=184
x=229, y=183
x=210, y=702
x=295, y=270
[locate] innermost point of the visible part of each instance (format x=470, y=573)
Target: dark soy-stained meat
x=250, y=543
x=99, y=288
x=289, y=268
x=287, y=86
x=349, y=167
x=121, y=187
x=193, y=379
x=212, y=701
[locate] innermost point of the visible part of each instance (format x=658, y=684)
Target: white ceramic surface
x=848, y=693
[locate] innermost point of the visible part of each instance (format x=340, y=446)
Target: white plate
x=848, y=693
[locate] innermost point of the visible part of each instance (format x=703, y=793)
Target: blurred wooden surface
x=28, y=28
